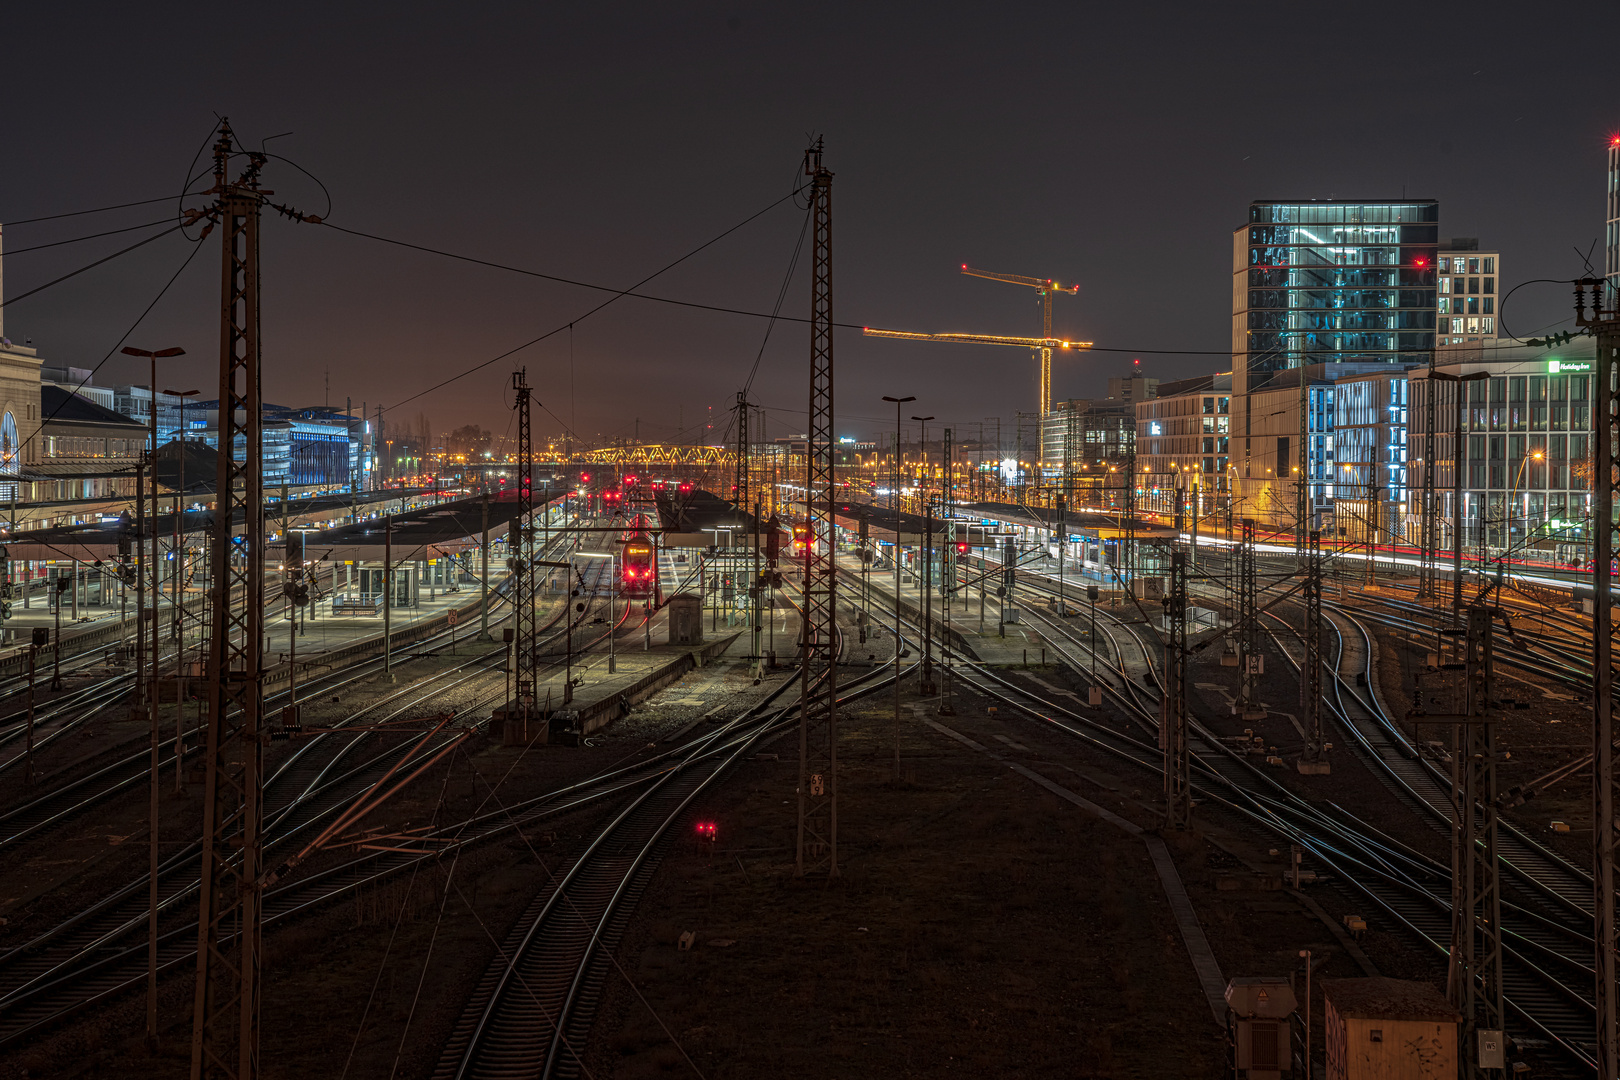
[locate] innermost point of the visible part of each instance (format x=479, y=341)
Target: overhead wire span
x=8, y=301
x=91, y=236
x=617, y=293
x=81, y=213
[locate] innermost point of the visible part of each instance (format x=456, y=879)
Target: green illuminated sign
x=1555, y=366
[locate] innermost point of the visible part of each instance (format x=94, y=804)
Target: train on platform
x=639, y=567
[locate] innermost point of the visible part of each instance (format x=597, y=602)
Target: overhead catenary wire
x=8, y=301
x=569, y=325
x=81, y=213
x=90, y=236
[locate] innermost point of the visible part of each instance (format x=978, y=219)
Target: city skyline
x=617, y=181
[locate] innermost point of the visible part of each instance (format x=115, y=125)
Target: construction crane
x=1048, y=288
x=1043, y=346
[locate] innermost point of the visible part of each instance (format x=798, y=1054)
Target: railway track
x=1545, y=948
x=95, y=953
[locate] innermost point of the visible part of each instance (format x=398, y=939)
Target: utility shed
x=1389, y=1029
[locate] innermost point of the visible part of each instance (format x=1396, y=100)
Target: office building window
x=1490, y=285
x=1487, y=326
x=1473, y=284
x=1457, y=286
x=1490, y=264
x=1445, y=306
x=1445, y=265
x=1473, y=266
x=1490, y=305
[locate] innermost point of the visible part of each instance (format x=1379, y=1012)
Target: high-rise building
x=1332, y=282
x=1132, y=388
x=1466, y=304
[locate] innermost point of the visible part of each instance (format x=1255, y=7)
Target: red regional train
x=639, y=571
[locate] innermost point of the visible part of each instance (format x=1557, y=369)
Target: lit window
x=1490, y=264
x=1473, y=266
x=1486, y=326
x=1445, y=305
x=1445, y=265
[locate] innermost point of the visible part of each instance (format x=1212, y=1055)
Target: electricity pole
x=522, y=562
x=1604, y=324
x=225, y=1029
x=818, y=694
x=1173, y=706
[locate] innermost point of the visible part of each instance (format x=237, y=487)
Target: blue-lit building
x=307, y=449
x=1332, y=282
x=1322, y=291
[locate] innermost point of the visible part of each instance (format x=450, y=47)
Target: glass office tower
x=1331, y=282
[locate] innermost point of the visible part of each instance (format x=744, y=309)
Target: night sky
x=1113, y=145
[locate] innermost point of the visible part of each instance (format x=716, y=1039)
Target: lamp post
x=926, y=585
x=177, y=575
x=151, y=703
x=894, y=502
x=1513, y=497
x=1457, y=483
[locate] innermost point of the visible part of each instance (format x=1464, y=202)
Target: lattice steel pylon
x=526, y=633
x=225, y=1029
x=740, y=483
x=1475, y=975
x=1310, y=669
x=1604, y=324
x=818, y=671
x=1248, y=704
x=1173, y=706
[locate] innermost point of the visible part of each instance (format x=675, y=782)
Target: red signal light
x=962, y=547
x=585, y=476
x=706, y=830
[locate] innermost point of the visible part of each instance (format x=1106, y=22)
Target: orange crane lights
x=1043, y=346
x=1047, y=289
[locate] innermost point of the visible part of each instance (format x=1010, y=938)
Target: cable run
x=569, y=325
x=81, y=213
x=108, y=258
x=91, y=236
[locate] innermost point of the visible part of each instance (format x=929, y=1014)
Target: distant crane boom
x=978, y=339
x=1047, y=289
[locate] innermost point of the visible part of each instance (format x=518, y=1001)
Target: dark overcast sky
x=1114, y=145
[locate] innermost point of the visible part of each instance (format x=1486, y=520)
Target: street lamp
x=151, y=685
x=177, y=576
x=1456, y=484
x=927, y=581
x=1513, y=497
x=894, y=503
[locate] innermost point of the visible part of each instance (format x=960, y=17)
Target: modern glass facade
x=1334, y=282
x=1526, y=451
